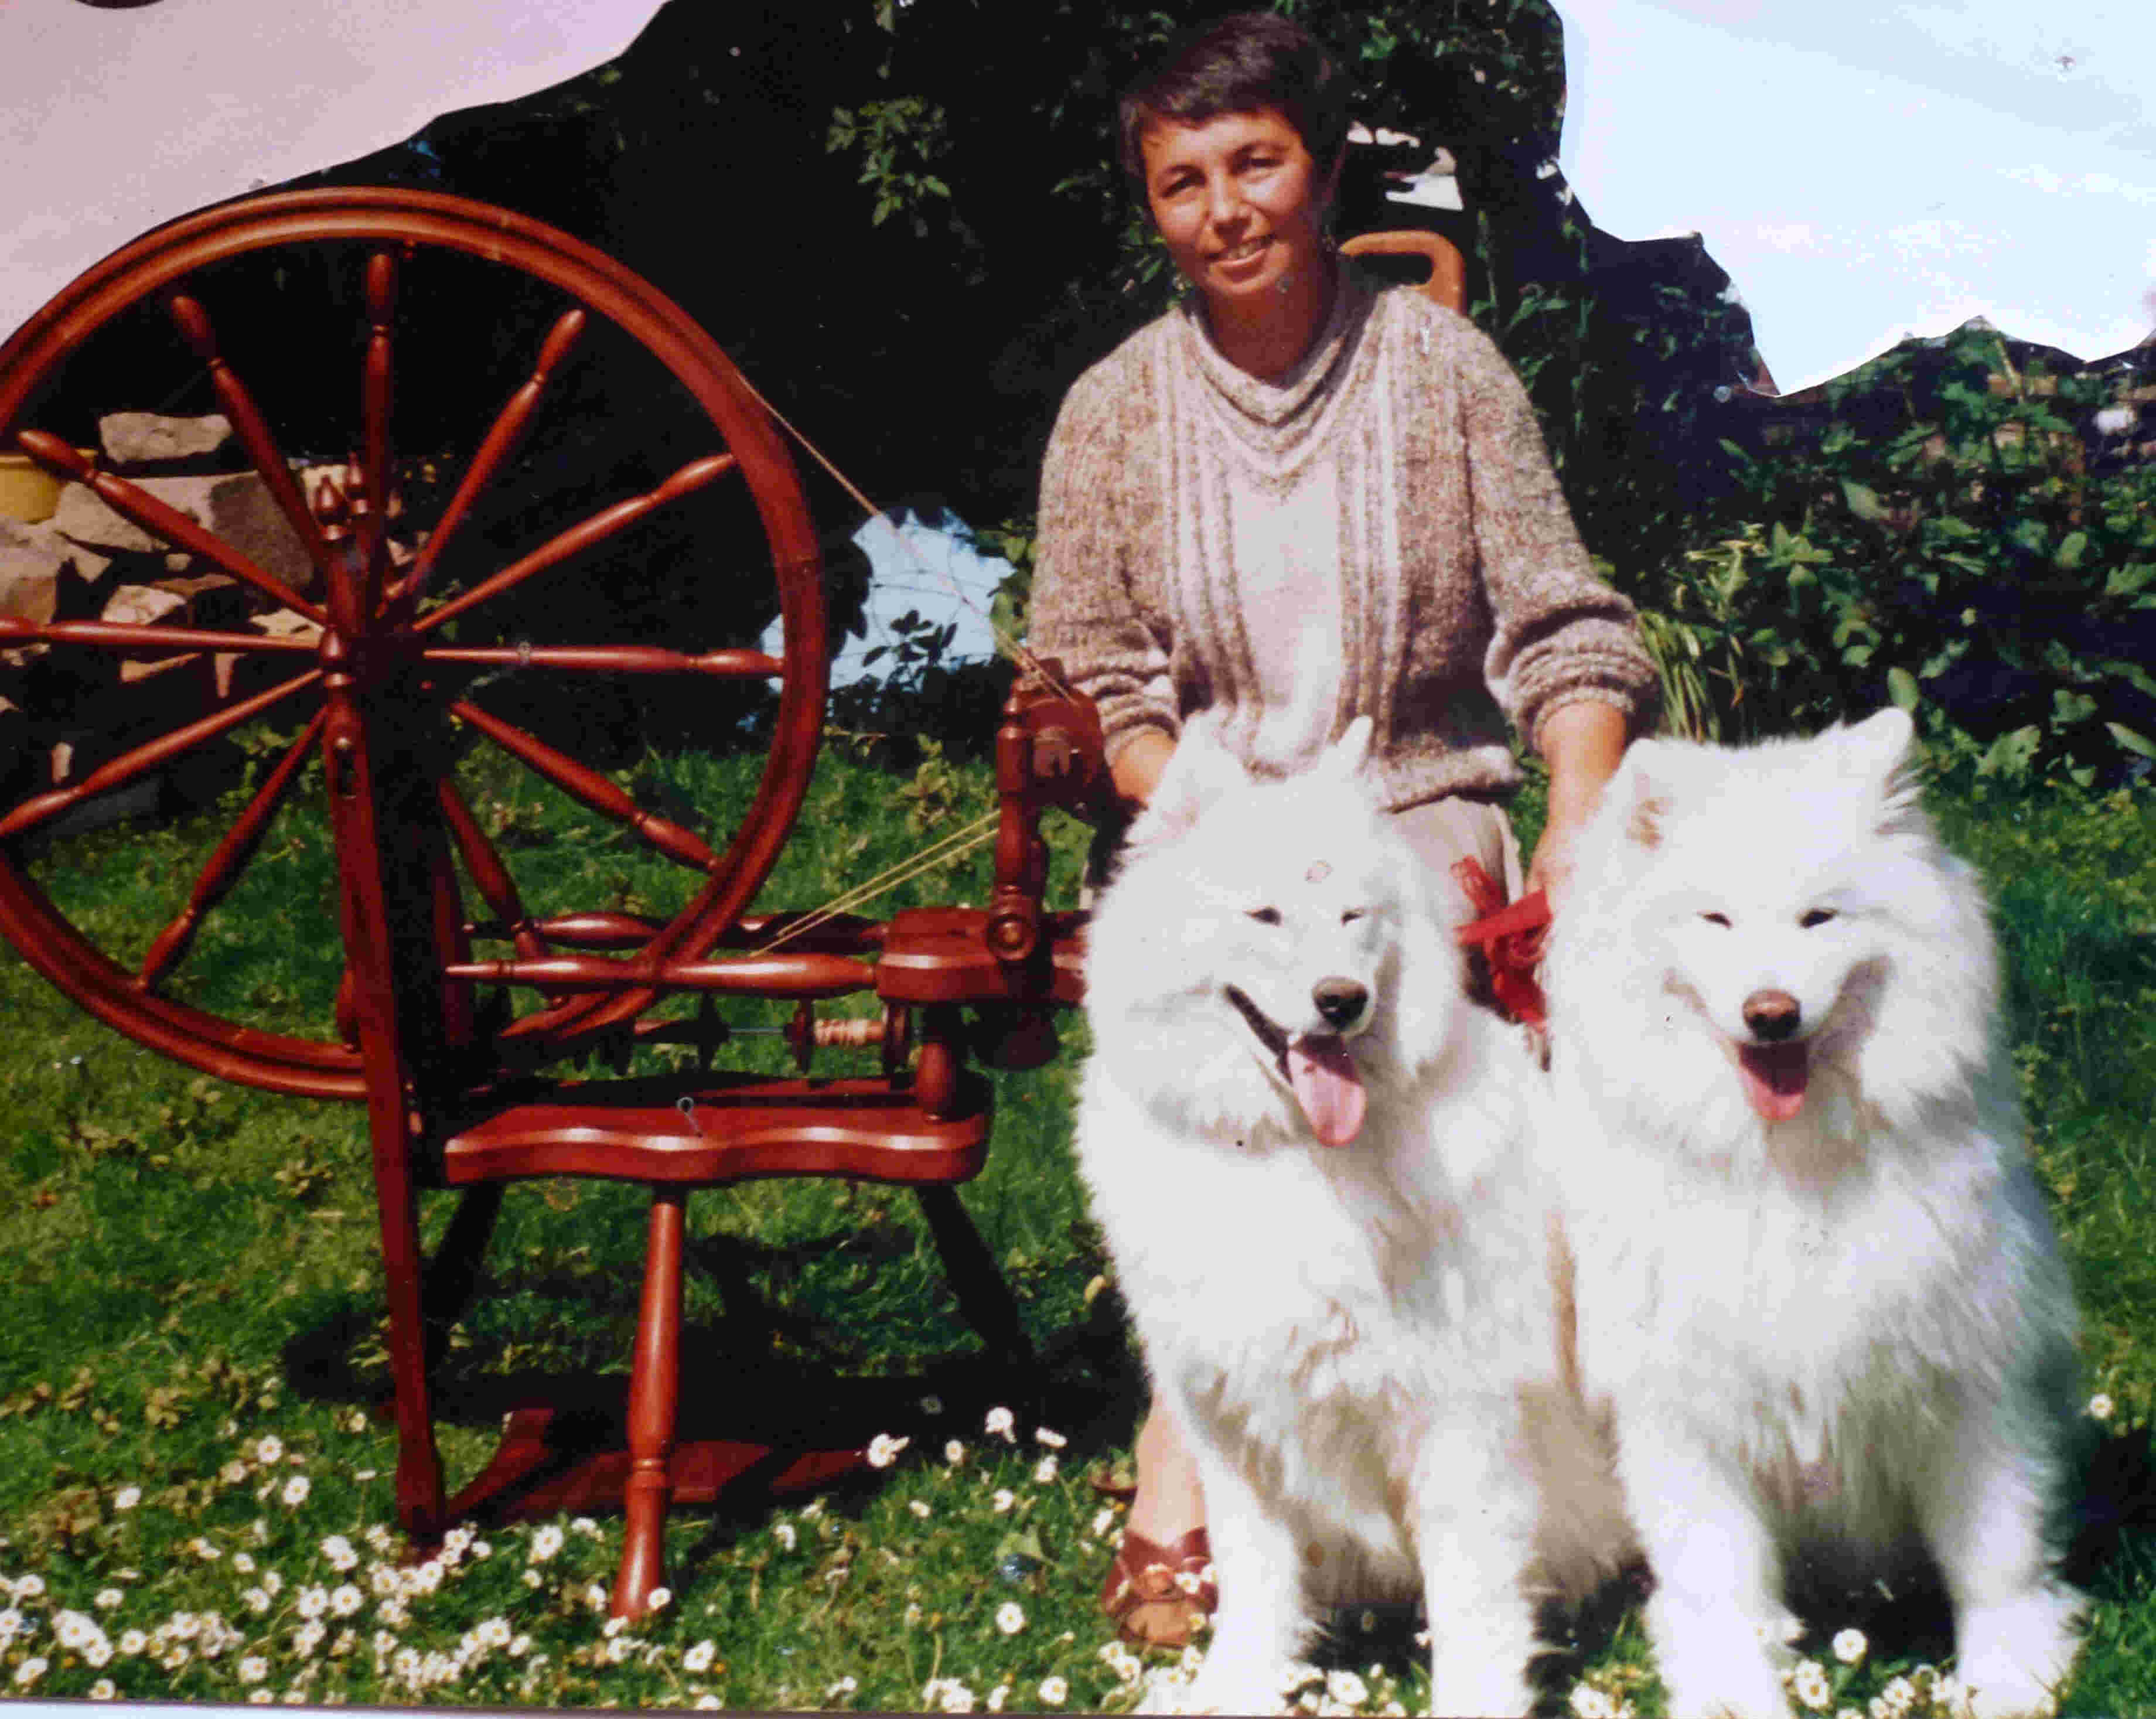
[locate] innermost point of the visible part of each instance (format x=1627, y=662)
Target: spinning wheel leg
x=419, y=1479
x=653, y=1389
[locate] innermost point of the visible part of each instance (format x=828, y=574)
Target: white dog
x=1817, y=1279
x=1307, y=1150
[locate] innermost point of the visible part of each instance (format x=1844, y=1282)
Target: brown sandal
x=1160, y=1596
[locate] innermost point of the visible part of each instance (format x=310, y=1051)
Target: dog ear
x=1640, y=793
x=1345, y=758
x=1199, y=772
x=1883, y=746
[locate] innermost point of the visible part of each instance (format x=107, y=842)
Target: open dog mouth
x=1317, y=1069
x=1776, y=1077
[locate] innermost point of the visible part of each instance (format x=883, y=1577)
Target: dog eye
x=1265, y=915
x=1818, y=916
x=1720, y=918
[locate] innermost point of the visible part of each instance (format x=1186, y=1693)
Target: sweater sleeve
x=1087, y=609
x=1560, y=635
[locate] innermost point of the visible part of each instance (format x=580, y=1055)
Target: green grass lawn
x=194, y=1494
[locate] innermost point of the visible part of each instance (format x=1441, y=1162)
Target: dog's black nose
x=1772, y=1015
x=1340, y=1002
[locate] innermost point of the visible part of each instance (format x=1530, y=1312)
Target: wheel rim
x=420, y=617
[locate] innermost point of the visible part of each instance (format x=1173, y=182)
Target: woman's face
x=1238, y=201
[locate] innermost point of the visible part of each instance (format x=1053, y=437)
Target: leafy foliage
x=1947, y=544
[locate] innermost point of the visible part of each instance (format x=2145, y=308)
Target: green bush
x=1944, y=545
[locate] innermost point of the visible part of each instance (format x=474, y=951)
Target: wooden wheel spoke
x=588, y=786
x=161, y=520
x=377, y=391
x=143, y=759
x=248, y=423
x=496, y=887
x=130, y=640
x=579, y=537
x=499, y=442
x=734, y=665
x=222, y=868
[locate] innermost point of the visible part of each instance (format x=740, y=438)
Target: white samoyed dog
x=1816, y=1277
x=1308, y=1151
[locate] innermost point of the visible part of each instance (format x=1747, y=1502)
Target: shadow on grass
x=782, y=1401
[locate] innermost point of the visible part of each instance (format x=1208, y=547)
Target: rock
x=237, y=507
x=138, y=605
x=27, y=549
x=32, y=560
x=145, y=439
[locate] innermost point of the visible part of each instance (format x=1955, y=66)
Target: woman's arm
x=1582, y=742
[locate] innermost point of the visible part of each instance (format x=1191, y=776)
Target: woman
x=1293, y=500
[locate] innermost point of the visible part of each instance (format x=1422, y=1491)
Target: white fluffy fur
x=1849, y=1330
x=1361, y=1339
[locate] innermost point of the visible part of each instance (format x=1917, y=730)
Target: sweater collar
x=1275, y=402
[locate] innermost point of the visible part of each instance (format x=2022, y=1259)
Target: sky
x=1864, y=173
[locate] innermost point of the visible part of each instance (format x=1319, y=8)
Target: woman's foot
x=1160, y=1589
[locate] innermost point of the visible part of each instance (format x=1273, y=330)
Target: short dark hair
x=1239, y=64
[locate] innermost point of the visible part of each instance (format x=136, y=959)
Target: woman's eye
x=1720, y=918
x=1265, y=915
x=1818, y=916
x=1352, y=913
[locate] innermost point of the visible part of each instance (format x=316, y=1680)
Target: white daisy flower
x=1054, y=1691
x=1849, y=1646
x=883, y=1450
x=1010, y=1618
x=698, y=1658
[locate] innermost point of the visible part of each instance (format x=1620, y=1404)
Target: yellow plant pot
x=28, y=491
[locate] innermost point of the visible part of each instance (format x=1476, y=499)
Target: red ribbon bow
x=1510, y=937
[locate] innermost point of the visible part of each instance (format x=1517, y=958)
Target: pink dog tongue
x=1774, y=1077
x=1328, y=1088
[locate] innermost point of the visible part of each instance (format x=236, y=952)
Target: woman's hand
x=1582, y=744
x=1136, y=770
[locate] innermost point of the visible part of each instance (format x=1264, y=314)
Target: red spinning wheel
x=381, y=669
x=374, y=622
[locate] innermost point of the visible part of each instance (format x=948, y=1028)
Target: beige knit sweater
x=1185, y=560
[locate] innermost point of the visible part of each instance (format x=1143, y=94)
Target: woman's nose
x=1224, y=201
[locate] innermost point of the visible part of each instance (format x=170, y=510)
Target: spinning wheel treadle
x=386, y=655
